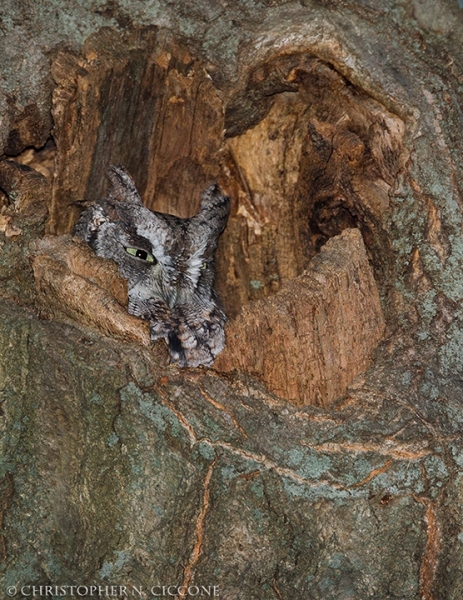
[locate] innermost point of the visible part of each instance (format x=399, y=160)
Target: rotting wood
x=308, y=342
x=320, y=157
x=26, y=189
x=308, y=155
x=139, y=100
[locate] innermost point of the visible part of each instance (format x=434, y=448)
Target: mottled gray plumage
x=168, y=262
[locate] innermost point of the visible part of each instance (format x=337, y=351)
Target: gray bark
x=116, y=469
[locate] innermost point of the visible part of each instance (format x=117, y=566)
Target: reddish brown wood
x=308, y=156
x=308, y=342
x=139, y=100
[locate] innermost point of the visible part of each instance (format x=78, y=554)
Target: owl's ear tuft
x=213, y=196
x=215, y=208
x=122, y=188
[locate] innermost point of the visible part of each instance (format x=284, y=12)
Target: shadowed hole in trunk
x=302, y=152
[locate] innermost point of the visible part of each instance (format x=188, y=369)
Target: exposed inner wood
x=141, y=101
x=309, y=341
x=303, y=154
x=322, y=159
x=41, y=160
x=27, y=190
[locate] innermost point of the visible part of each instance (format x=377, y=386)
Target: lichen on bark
x=116, y=468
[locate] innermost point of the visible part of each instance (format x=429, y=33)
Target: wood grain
x=140, y=100
x=311, y=339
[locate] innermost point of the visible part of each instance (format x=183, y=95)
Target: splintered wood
x=141, y=100
x=308, y=342
x=306, y=157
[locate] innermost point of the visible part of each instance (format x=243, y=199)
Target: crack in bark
x=399, y=452
x=276, y=590
x=373, y=474
x=430, y=559
x=272, y=466
x=318, y=418
x=188, y=428
x=197, y=549
x=224, y=409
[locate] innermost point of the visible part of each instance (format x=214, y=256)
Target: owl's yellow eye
x=142, y=254
x=204, y=266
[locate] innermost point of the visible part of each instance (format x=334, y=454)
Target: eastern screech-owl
x=168, y=262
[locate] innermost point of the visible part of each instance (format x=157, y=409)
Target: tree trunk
x=321, y=457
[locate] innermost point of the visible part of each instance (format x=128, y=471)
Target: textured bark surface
x=116, y=469
x=72, y=281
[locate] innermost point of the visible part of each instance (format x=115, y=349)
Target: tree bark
x=336, y=128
